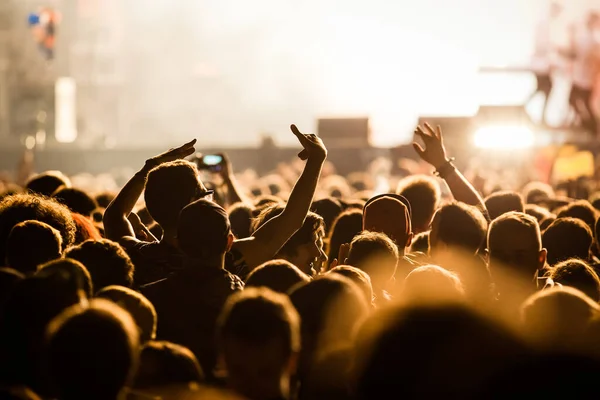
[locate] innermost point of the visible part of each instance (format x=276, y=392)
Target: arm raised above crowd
x=435, y=154
x=116, y=223
x=267, y=240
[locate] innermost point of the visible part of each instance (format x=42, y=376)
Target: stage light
x=504, y=137
x=65, y=110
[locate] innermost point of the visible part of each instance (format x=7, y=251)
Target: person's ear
x=409, y=240
x=542, y=256
x=230, y=239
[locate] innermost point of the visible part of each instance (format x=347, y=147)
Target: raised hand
x=313, y=145
x=434, y=152
x=172, y=155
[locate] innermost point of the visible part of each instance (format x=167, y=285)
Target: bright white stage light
x=504, y=137
x=66, y=110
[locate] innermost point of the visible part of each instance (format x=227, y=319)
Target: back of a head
x=423, y=192
x=375, y=254
x=203, y=230
x=47, y=183
x=140, y=308
x=502, y=202
x=577, y=274
x=258, y=333
x=104, y=199
x=430, y=351
x=164, y=364
x=389, y=214
x=277, y=275
x=558, y=317
x=30, y=244
x=537, y=212
x=87, y=342
x=431, y=283
x=76, y=200
x=567, y=238
x=25, y=207
x=581, y=210
x=420, y=243
x=514, y=240
x=71, y=269
x=169, y=188
x=240, y=218
x=107, y=262
x=537, y=192
x=347, y=225
x=458, y=225
x=359, y=277
x=330, y=308
x=328, y=208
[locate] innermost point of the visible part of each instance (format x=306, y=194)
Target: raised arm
x=434, y=153
x=267, y=241
x=116, y=222
x=234, y=192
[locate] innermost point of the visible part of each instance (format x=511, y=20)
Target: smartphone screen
x=212, y=159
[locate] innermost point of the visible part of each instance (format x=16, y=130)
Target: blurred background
x=139, y=74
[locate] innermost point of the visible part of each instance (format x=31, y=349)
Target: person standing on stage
x=586, y=64
x=543, y=58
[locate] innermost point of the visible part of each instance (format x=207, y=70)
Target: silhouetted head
x=423, y=193
x=76, y=200
x=47, y=183
x=578, y=274
x=277, y=275
x=457, y=225
x=85, y=341
x=258, y=337
x=502, y=202
x=138, y=306
x=30, y=244
x=567, y=238
x=107, y=262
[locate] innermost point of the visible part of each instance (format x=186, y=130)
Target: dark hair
x=459, y=225
x=347, y=225
x=423, y=193
x=400, y=350
x=86, y=230
x=106, y=261
x=169, y=188
x=558, y=317
x=536, y=192
x=582, y=210
x=328, y=208
x=359, y=277
x=85, y=340
x=420, y=243
x=578, y=274
x=164, y=363
x=76, y=200
x=547, y=221
x=47, y=183
x=240, y=218
x=104, y=199
x=30, y=244
x=537, y=212
x=24, y=207
x=511, y=222
x=138, y=306
x=266, y=200
x=72, y=270
x=567, y=238
x=257, y=317
x=330, y=308
x=502, y=202
x=312, y=223
x=372, y=251
x=277, y=275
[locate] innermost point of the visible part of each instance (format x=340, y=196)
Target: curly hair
x=24, y=207
x=107, y=262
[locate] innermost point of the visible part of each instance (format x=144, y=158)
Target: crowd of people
x=298, y=289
